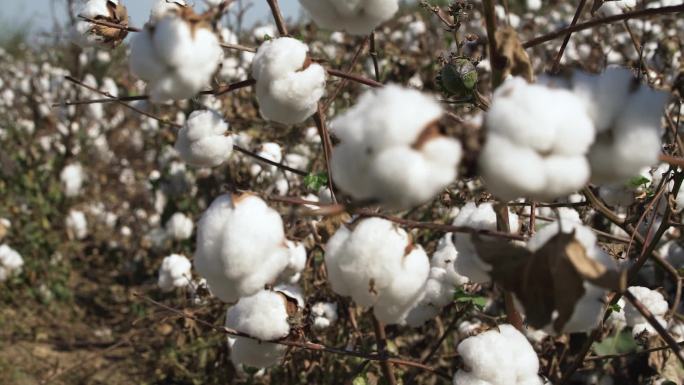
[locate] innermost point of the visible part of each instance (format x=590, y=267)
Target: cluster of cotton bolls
x=501, y=356
x=391, y=149
x=288, y=84
x=628, y=315
x=376, y=264
x=606, y=128
x=176, y=53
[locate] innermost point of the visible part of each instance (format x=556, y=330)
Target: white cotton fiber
x=174, y=272
x=204, y=141
x=353, y=16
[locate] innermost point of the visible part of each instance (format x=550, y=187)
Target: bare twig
x=278, y=17
x=566, y=40
x=381, y=342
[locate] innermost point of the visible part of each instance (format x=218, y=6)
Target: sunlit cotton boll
x=77, y=224
x=179, y=227
x=356, y=17
x=537, y=142
x=482, y=217
x=240, y=246
x=72, y=177
x=289, y=85
x=174, y=272
x=391, y=150
x=501, y=356
x=175, y=57
x=263, y=316
x=653, y=301
x=203, y=140
x=11, y=262
x=87, y=34
x=324, y=314
x=162, y=8
x=376, y=264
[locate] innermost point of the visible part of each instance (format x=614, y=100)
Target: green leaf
x=638, y=181
x=475, y=300
x=615, y=308
x=360, y=380
x=316, y=181
x=618, y=343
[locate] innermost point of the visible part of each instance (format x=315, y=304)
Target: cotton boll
x=240, y=246
x=202, y=142
x=288, y=86
x=355, y=17
x=296, y=262
x=537, y=143
x=87, y=34
x=263, y=316
x=175, y=58
x=77, y=224
x=72, y=177
x=324, y=314
x=11, y=262
x=512, y=362
x=390, y=149
x=653, y=301
x=174, y=272
x=533, y=5
x=482, y=217
x=378, y=267
x=179, y=227
x=163, y=8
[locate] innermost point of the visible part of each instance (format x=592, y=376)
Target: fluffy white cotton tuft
x=501, y=356
x=174, y=272
x=324, y=314
x=240, y=246
x=288, y=85
x=11, y=262
x=72, y=177
x=179, y=227
x=163, y=8
x=263, y=316
x=77, y=224
x=537, y=142
x=390, y=150
x=630, y=316
x=356, y=17
x=377, y=265
x=87, y=34
x=175, y=58
x=203, y=140
x=296, y=263
x=482, y=217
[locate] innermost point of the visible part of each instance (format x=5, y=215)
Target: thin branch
x=323, y=132
x=381, y=342
x=272, y=163
x=278, y=17
x=238, y=47
x=566, y=40
x=356, y=78
x=110, y=24
x=374, y=55
x=606, y=20
x=497, y=62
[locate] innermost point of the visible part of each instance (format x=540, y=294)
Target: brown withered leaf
x=548, y=280
x=665, y=362
x=511, y=49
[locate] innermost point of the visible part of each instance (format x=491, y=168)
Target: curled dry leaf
x=113, y=36
x=549, y=280
x=517, y=63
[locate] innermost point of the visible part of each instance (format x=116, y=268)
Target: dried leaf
x=511, y=49
x=549, y=280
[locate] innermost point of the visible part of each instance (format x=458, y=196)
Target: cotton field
x=377, y=192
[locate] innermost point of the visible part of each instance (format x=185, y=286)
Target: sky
x=17, y=13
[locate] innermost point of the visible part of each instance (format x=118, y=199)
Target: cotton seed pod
x=87, y=33
x=458, y=77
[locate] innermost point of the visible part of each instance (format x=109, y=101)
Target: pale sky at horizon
x=39, y=13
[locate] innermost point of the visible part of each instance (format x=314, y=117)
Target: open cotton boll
x=653, y=301
x=202, y=142
x=264, y=316
x=589, y=309
x=288, y=84
x=162, y=8
x=482, y=217
x=179, y=227
x=77, y=224
x=376, y=265
x=296, y=263
x=324, y=314
x=240, y=246
x=87, y=34
x=616, y=7
x=538, y=138
x=72, y=177
x=174, y=272
x=11, y=262
x=353, y=16
x=441, y=284
x=501, y=356
x=175, y=57
x=390, y=148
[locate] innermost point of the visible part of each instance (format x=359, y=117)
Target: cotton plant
x=174, y=272
x=204, y=140
x=355, y=17
x=241, y=246
x=376, y=264
x=264, y=316
x=11, y=262
x=288, y=84
x=501, y=356
x=87, y=34
x=537, y=144
x=391, y=150
x=176, y=55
